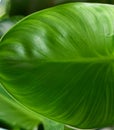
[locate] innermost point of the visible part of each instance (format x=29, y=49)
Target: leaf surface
x=59, y=62
x=13, y=115
x=16, y=117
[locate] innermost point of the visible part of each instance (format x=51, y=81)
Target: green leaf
x=13, y=115
x=4, y=8
x=51, y=125
x=59, y=63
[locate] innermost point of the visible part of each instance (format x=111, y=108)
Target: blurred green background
x=25, y=7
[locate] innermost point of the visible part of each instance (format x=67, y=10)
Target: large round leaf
x=59, y=63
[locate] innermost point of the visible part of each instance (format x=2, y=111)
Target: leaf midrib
x=78, y=60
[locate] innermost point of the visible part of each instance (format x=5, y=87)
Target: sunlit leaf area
x=56, y=65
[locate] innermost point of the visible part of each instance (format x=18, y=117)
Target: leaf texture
x=59, y=62
x=13, y=115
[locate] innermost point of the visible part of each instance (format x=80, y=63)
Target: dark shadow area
x=4, y=125
x=26, y=7
x=41, y=127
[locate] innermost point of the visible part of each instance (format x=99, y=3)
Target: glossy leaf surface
x=59, y=63
x=15, y=116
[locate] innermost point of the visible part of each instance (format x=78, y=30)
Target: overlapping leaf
x=59, y=63
x=14, y=116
